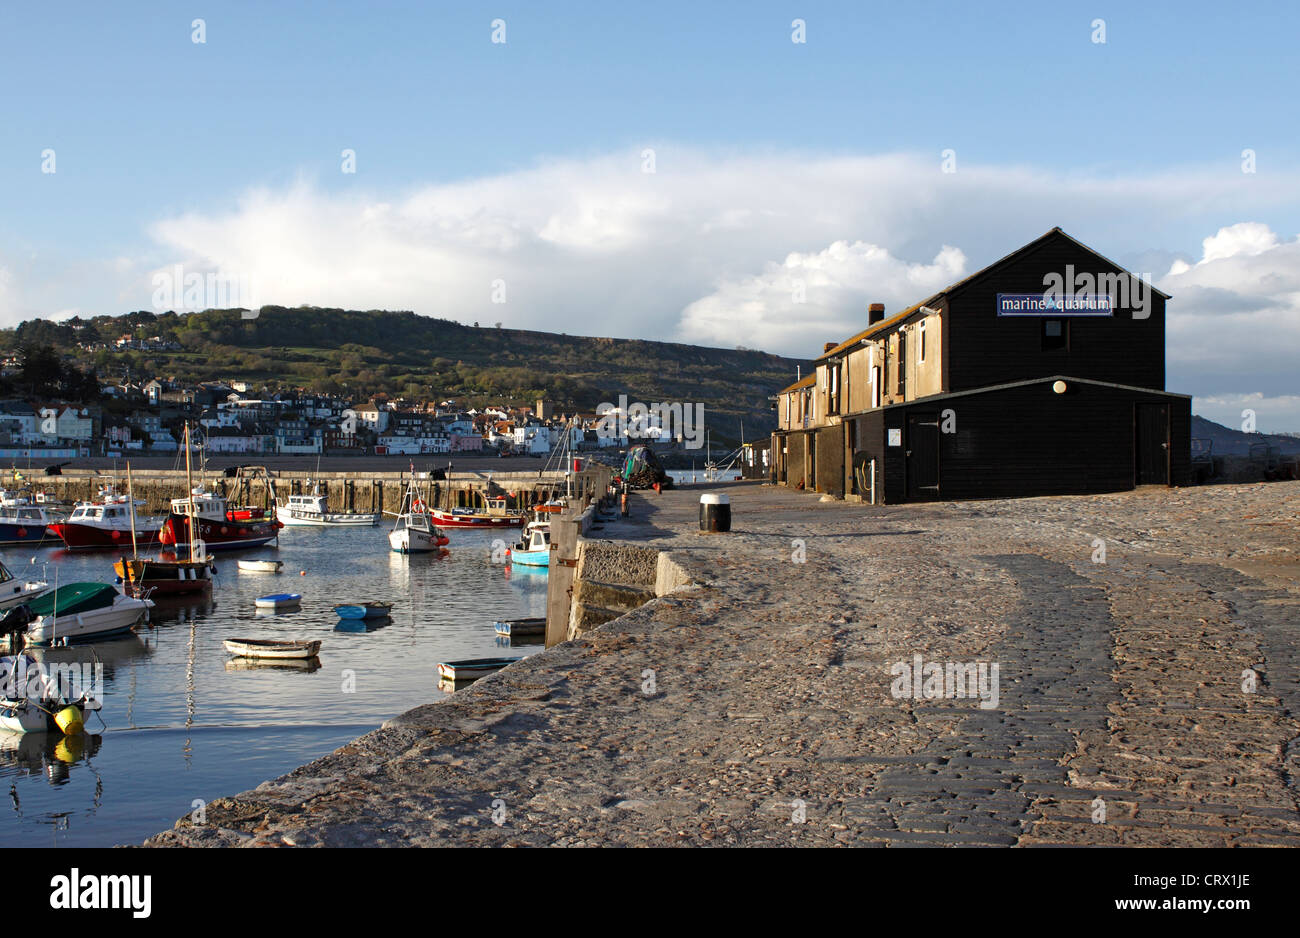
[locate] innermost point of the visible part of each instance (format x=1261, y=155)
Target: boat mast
x=130, y=500
x=189, y=490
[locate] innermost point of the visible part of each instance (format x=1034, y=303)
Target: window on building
x=875, y=385
x=1056, y=335
x=920, y=343
x=902, y=364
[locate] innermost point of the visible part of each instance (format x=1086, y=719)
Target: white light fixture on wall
x=1060, y=387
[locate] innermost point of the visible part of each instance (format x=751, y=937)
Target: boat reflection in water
x=273, y=664
x=182, y=609
x=519, y=641
x=361, y=626
x=51, y=755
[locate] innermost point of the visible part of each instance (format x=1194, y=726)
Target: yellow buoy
x=70, y=720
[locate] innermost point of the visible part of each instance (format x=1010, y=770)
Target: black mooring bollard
x=715, y=513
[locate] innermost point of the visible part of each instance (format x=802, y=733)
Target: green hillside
x=399, y=353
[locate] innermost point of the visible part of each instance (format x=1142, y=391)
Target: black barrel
x=715, y=513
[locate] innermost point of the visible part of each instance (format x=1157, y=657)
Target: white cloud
x=704, y=249
x=823, y=293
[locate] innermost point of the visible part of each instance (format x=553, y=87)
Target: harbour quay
x=1132, y=681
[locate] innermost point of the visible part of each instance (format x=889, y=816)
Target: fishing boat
x=468, y=668
x=144, y=576
x=514, y=628
x=366, y=610
x=535, y=549
x=209, y=519
x=278, y=601
x=260, y=566
x=15, y=592
x=22, y=521
x=32, y=702
x=313, y=510
x=107, y=522
x=414, y=530
x=493, y=514
x=83, y=611
x=267, y=648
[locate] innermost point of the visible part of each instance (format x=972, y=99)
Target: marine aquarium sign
x=1049, y=304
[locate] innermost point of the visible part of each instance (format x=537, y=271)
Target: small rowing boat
x=363, y=610
x=468, y=668
x=260, y=566
x=514, y=628
x=268, y=648
x=278, y=601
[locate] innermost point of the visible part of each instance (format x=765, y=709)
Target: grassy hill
x=1230, y=442
x=399, y=353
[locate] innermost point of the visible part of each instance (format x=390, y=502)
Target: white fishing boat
x=268, y=648
x=534, y=550
x=414, y=531
x=260, y=566
x=15, y=592
x=313, y=510
x=81, y=611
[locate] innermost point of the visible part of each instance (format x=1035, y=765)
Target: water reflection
x=192, y=721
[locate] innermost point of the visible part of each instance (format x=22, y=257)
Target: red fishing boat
x=108, y=522
x=218, y=525
x=494, y=515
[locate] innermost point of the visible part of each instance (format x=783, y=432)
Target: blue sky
x=477, y=161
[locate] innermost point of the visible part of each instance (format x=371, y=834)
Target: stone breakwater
x=1149, y=671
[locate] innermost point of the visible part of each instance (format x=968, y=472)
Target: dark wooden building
x=1041, y=374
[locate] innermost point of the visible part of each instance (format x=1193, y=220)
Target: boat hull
x=530, y=558
x=260, y=566
x=12, y=534
x=415, y=542
x=122, y=616
x=77, y=536
x=275, y=651
x=141, y=576
x=279, y=601
x=219, y=534
x=449, y=519
x=363, y=610
x=291, y=518
x=515, y=628
x=471, y=668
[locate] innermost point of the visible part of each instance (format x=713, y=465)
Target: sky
x=662, y=171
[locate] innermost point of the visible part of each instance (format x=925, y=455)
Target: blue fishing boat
x=366, y=610
x=535, y=549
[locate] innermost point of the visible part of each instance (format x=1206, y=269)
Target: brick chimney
x=875, y=313
x=828, y=346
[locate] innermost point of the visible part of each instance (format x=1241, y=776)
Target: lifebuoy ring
x=117, y=535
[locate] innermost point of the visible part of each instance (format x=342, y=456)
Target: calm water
x=185, y=721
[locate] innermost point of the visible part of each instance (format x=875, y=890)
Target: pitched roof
x=951, y=288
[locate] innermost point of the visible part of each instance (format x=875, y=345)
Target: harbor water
x=187, y=723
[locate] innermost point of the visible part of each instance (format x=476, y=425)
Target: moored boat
x=278, y=601
x=514, y=628
x=268, y=648
x=143, y=576
x=314, y=510
x=467, y=668
x=83, y=611
x=535, y=549
x=22, y=521
x=366, y=610
x=414, y=531
x=260, y=566
x=494, y=514
x=109, y=522
x=15, y=592
x=216, y=524
x=31, y=700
